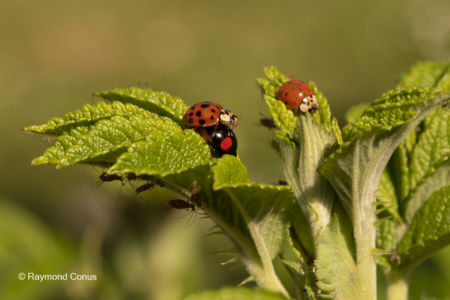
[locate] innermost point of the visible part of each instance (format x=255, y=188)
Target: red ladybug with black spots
x=214, y=124
x=209, y=114
x=298, y=96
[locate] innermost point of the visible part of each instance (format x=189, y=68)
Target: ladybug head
x=309, y=104
x=228, y=118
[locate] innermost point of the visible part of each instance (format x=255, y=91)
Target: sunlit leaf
x=429, y=230
x=155, y=101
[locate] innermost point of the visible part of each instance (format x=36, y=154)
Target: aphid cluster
x=215, y=124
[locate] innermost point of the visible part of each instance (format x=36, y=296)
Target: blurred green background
x=54, y=54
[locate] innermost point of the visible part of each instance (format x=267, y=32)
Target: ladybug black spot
x=285, y=94
x=218, y=107
x=191, y=114
x=192, y=107
x=198, y=113
x=201, y=122
x=204, y=105
x=213, y=117
x=213, y=110
x=190, y=120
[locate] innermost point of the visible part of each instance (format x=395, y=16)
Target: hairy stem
x=397, y=288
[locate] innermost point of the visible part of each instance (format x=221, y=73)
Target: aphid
x=298, y=96
x=145, y=177
x=144, y=187
x=181, y=204
x=268, y=123
x=395, y=257
x=131, y=176
x=105, y=177
x=196, y=198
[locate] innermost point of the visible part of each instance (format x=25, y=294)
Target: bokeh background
x=54, y=54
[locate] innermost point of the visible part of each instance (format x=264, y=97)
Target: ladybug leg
x=204, y=132
x=207, y=132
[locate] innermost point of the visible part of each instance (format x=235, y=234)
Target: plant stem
x=366, y=266
x=397, y=288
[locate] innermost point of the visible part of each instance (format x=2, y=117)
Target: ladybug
x=209, y=114
x=298, y=96
x=222, y=141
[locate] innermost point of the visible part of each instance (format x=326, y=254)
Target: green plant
x=377, y=192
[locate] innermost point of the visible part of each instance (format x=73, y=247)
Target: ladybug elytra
x=209, y=114
x=223, y=141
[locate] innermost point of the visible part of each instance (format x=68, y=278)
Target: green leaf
x=386, y=240
x=429, y=73
x=164, y=153
x=337, y=132
x=87, y=115
x=260, y=211
x=335, y=262
x=161, y=103
x=264, y=210
x=429, y=230
x=398, y=168
x=229, y=171
x=432, y=147
x=355, y=112
x=283, y=118
x=355, y=170
x=430, y=151
x=275, y=80
x=323, y=114
x=437, y=180
x=89, y=143
x=386, y=196
x=300, y=267
x=392, y=109
x=236, y=294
